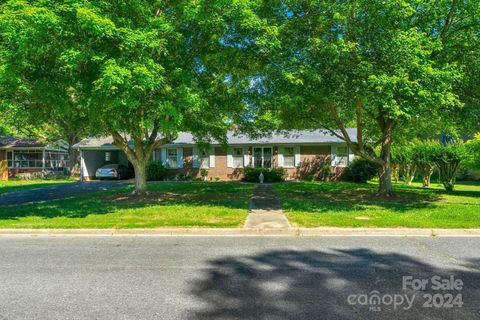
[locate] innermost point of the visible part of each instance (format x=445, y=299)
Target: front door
x=257, y=157
x=262, y=157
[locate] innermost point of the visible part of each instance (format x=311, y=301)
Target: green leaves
x=94, y=24
x=473, y=149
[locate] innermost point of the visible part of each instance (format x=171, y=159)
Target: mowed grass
x=169, y=204
x=341, y=204
x=21, y=185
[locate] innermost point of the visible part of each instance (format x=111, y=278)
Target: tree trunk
x=426, y=172
x=447, y=174
x=72, y=156
x=395, y=172
x=140, y=177
x=385, y=188
x=409, y=173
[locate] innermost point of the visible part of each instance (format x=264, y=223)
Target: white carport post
x=82, y=166
x=43, y=159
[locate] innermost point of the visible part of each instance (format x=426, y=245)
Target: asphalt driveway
x=56, y=192
x=238, y=278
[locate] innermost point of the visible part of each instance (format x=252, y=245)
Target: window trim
x=292, y=156
x=241, y=157
x=203, y=159
x=170, y=157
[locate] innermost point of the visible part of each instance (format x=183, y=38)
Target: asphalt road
x=56, y=192
x=237, y=278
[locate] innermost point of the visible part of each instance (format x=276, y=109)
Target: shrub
x=361, y=170
x=270, y=175
x=155, y=171
x=204, y=174
x=473, y=149
x=448, y=158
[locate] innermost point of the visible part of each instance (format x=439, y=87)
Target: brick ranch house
x=301, y=153
x=30, y=155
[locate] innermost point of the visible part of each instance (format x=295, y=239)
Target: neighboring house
x=303, y=154
x=30, y=155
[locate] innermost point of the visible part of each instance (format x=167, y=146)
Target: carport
x=92, y=159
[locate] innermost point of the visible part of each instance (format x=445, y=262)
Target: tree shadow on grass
x=25, y=187
x=355, y=200
x=231, y=196
x=316, y=284
x=441, y=191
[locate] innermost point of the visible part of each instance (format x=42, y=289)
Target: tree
x=39, y=88
x=448, y=158
x=375, y=65
x=142, y=69
x=403, y=157
x=423, y=155
x=473, y=149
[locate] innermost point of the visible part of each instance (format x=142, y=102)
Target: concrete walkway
x=265, y=210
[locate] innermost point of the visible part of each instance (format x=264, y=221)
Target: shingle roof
x=12, y=142
x=287, y=137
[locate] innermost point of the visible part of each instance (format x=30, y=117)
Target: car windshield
x=109, y=166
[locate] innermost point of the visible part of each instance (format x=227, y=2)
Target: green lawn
x=341, y=204
x=169, y=204
x=20, y=185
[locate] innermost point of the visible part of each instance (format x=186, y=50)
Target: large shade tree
x=388, y=68
x=143, y=70
x=39, y=94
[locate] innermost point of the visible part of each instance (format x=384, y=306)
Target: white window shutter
x=179, y=157
x=229, y=158
x=334, y=155
x=212, y=157
x=246, y=158
x=195, y=157
x=164, y=156
x=351, y=156
x=281, y=163
x=297, y=156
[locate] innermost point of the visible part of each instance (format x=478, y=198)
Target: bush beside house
x=270, y=175
x=155, y=171
x=361, y=170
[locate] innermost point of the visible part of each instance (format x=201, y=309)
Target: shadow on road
x=316, y=284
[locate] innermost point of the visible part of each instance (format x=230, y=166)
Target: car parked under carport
x=92, y=160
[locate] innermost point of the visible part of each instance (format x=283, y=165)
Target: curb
x=245, y=232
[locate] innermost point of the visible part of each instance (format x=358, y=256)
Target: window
x=342, y=156
x=54, y=160
x=172, y=158
x=288, y=157
x=237, y=157
x=26, y=159
x=203, y=159
x=108, y=156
